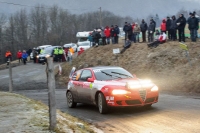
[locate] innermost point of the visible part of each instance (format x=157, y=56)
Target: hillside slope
x=166, y=65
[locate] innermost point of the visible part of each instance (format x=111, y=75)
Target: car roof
x=102, y=67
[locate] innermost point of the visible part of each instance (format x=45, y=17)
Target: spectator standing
x=107, y=34
x=196, y=31
x=125, y=29
x=136, y=31
x=112, y=34
x=55, y=54
x=90, y=38
x=133, y=38
x=60, y=54
x=154, y=26
x=181, y=22
x=151, y=31
x=103, y=36
x=19, y=56
x=97, y=37
x=173, y=28
x=192, y=25
x=143, y=27
x=163, y=27
x=8, y=56
x=35, y=53
x=168, y=27
x=130, y=31
x=24, y=56
x=116, y=31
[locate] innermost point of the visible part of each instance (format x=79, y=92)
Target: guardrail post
x=51, y=93
x=10, y=76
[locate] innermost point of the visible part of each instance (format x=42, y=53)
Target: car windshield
x=83, y=39
x=48, y=50
x=111, y=74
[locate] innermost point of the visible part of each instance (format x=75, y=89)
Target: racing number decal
x=97, y=70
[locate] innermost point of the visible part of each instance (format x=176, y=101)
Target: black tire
x=102, y=105
x=70, y=100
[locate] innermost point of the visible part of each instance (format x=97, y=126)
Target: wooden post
x=10, y=76
x=51, y=93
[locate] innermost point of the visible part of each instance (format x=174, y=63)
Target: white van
x=83, y=41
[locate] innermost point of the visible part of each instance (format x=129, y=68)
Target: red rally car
x=107, y=86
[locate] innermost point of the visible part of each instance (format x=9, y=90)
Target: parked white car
x=84, y=45
x=83, y=41
x=73, y=45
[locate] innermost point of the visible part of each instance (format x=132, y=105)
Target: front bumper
x=136, y=99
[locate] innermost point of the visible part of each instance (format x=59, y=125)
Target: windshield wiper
x=122, y=74
x=109, y=74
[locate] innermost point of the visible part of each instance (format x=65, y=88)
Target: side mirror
x=134, y=76
x=90, y=80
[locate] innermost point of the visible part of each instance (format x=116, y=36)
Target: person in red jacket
x=163, y=26
x=107, y=34
x=19, y=55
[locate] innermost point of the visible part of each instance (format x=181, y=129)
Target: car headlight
x=155, y=88
x=47, y=56
x=120, y=92
x=37, y=56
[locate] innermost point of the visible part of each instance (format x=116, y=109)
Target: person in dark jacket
x=192, y=25
x=173, y=28
x=116, y=31
x=151, y=29
x=168, y=27
x=154, y=26
x=112, y=34
x=126, y=46
x=129, y=31
x=143, y=27
x=125, y=29
x=181, y=22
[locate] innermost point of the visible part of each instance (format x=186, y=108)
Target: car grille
x=132, y=102
x=41, y=57
x=142, y=93
x=150, y=100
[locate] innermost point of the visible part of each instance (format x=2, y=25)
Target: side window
x=76, y=76
x=85, y=75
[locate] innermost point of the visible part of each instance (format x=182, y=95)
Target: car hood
x=120, y=82
x=43, y=55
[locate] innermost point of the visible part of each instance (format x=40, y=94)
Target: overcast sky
x=133, y=8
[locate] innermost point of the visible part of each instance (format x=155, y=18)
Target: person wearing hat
x=151, y=31
x=181, y=22
x=193, y=25
x=173, y=28
x=168, y=26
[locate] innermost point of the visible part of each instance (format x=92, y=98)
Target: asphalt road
x=172, y=114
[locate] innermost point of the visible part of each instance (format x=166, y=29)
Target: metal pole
x=10, y=76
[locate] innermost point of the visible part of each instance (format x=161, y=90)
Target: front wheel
x=70, y=100
x=102, y=105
